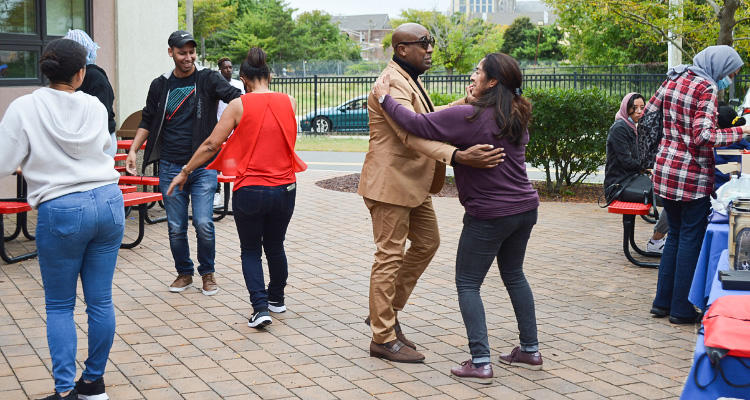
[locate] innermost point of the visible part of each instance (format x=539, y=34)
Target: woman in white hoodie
x=59, y=136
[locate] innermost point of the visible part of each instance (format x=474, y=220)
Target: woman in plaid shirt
x=684, y=169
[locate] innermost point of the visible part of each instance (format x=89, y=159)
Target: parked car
x=348, y=116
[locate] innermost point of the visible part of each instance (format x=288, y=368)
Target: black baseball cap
x=181, y=38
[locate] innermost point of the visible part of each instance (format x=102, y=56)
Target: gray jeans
x=481, y=242
x=662, y=224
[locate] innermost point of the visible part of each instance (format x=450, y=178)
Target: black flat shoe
x=659, y=312
x=686, y=321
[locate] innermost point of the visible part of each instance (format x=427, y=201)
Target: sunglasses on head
x=424, y=41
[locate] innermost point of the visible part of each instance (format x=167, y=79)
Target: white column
x=674, y=56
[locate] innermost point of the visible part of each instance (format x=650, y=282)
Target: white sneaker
x=277, y=307
x=656, y=246
x=218, y=200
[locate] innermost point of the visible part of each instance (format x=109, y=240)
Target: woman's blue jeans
x=199, y=191
x=79, y=234
x=262, y=215
x=482, y=241
x=687, y=226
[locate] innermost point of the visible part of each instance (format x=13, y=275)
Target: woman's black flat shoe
x=659, y=312
x=686, y=321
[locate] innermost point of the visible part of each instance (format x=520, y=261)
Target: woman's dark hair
x=254, y=66
x=512, y=111
x=631, y=102
x=726, y=117
x=61, y=59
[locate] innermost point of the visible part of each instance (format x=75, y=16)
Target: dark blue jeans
x=481, y=242
x=687, y=226
x=79, y=234
x=262, y=215
x=198, y=190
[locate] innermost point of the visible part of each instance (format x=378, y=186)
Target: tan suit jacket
x=401, y=168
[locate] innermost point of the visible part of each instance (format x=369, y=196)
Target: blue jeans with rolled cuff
x=79, y=234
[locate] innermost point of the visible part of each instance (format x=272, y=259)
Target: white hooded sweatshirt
x=58, y=139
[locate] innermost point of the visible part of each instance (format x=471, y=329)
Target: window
x=26, y=26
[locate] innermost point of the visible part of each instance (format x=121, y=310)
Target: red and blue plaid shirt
x=685, y=162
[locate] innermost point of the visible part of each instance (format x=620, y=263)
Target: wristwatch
x=185, y=170
x=381, y=99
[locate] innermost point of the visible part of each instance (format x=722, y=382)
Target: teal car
x=348, y=116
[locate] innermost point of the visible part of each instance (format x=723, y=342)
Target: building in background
x=504, y=12
x=132, y=35
x=368, y=30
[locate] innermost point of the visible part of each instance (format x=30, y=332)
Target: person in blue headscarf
x=96, y=83
x=684, y=169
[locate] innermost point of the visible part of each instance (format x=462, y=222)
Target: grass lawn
x=332, y=143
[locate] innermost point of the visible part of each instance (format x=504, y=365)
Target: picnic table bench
x=20, y=208
x=141, y=200
x=629, y=211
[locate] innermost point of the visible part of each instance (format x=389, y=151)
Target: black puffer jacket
x=210, y=87
x=622, y=154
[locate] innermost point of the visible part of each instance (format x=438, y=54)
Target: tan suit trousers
x=395, y=273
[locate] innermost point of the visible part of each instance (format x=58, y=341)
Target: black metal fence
x=339, y=103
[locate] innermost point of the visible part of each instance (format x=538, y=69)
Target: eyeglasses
x=425, y=41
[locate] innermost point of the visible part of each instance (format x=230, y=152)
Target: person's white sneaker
x=218, y=200
x=656, y=246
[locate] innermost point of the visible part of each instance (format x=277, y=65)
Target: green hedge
x=568, y=133
x=441, y=99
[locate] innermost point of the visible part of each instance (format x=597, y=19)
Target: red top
x=259, y=152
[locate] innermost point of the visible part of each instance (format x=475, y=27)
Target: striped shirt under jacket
x=685, y=162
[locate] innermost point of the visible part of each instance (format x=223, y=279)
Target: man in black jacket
x=180, y=114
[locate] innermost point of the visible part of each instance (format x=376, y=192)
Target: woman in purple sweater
x=500, y=203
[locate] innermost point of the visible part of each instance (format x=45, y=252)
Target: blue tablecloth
x=714, y=242
x=736, y=372
x=733, y=369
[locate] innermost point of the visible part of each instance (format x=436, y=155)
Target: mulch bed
x=584, y=193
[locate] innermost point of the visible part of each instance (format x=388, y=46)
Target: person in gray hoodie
x=59, y=137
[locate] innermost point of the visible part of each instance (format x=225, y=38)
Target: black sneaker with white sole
x=260, y=319
x=91, y=391
x=277, y=307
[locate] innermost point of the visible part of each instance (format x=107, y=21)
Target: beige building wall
x=102, y=31
x=141, y=42
x=132, y=36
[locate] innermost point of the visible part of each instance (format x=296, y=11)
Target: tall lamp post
x=539, y=36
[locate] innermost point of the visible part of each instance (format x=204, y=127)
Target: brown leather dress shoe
x=399, y=334
x=395, y=351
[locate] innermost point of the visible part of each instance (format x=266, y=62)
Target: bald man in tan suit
x=399, y=173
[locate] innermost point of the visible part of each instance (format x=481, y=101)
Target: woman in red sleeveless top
x=261, y=155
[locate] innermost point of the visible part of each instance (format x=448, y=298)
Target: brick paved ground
x=597, y=338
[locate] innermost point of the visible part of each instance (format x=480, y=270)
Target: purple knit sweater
x=485, y=193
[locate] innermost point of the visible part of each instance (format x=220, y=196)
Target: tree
x=208, y=15
x=700, y=23
x=320, y=39
x=459, y=40
x=264, y=23
x=515, y=37
x=592, y=41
